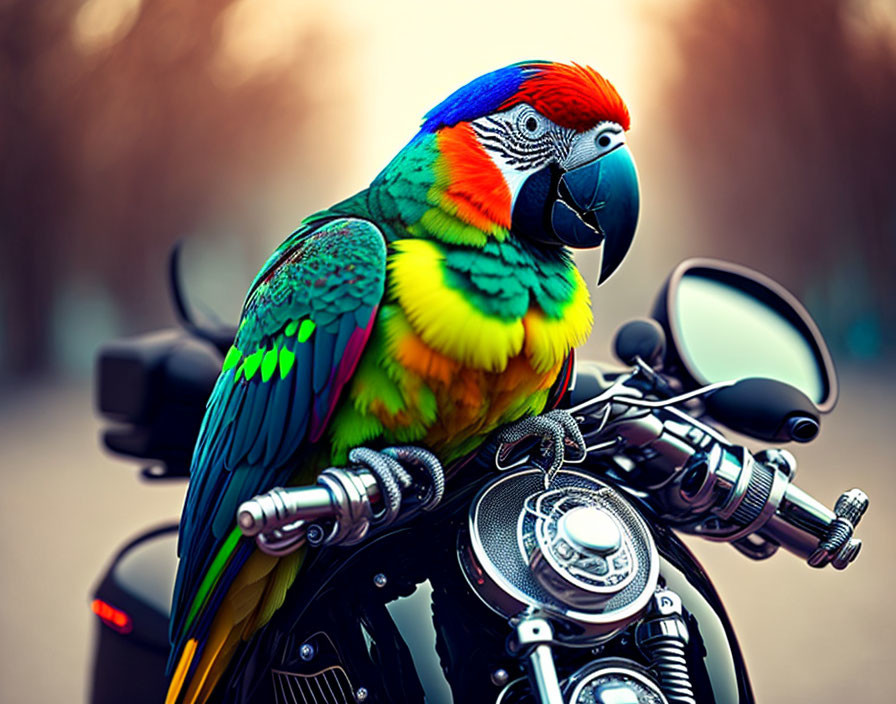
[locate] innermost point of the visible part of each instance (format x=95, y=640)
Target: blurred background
x=764, y=134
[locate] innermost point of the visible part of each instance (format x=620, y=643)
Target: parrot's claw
x=390, y=466
x=550, y=440
x=405, y=479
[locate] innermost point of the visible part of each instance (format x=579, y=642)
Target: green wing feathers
x=305, y=323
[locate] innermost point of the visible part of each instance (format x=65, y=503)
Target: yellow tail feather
x=217, y=640
x=177, y=681
x=275, y=594
x=256, y=593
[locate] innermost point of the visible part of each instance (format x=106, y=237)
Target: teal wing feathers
x=304, y=326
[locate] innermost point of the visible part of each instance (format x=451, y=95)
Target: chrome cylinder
x=532, y=638
x=280, y=507
x=734, y=496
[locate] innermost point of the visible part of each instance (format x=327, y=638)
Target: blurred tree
x=784, y=117
x=123, y=127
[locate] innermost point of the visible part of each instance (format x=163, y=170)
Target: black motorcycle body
x=395, y=616
x=421, y=612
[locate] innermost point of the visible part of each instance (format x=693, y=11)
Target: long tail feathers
x=180, y=673
x=257, y=592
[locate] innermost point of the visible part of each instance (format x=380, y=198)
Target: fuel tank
x=398, y=620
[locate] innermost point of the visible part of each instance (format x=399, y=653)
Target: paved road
x=65, y=507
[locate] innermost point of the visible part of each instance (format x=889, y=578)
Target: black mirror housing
x=153, y=388
x=750, y=286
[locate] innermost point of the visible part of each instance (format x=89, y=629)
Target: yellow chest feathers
x=448, y=320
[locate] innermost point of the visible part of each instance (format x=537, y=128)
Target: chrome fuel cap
x=590, y=530
x=583, y=554
x=577, y=550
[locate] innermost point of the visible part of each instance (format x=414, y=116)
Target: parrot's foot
x=551, y=439
x=399, y=470
x=346, y=504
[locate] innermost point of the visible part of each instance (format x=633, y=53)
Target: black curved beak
x=593, y=205
x=598, y=204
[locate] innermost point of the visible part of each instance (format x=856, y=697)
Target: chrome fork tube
x=544, y=675
x=531, y=640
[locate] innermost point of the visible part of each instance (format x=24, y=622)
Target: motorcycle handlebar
x=691, y=475
x=281, y=507
x=281, y=519
x=754, y=496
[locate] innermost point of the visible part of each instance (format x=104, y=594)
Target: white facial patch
x=521, y=141
x=593, y=144
x=512, y=176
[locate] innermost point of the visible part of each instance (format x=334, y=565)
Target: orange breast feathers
x=470, y=402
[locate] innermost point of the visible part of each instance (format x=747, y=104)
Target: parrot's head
x=540, y=147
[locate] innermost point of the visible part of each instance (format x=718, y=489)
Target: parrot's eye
x=604, y=141
x=531, y=124
x=521, y=138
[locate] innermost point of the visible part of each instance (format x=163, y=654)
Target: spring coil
x=839, y=532
x=671, y=665
x=662, y=637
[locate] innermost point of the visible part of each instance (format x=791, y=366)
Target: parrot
x=432, y=308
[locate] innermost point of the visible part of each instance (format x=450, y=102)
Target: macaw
x=432, y=308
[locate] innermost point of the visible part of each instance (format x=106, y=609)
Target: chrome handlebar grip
x=799, y=522
x=280, y=519
x=758, y=499
x=838, y=546
x=811, y=530
x=352, y=494
x=343, y=503
x=280, y=507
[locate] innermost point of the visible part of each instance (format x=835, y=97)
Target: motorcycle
x=503, y=580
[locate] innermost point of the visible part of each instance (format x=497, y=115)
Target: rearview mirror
x=727, y=322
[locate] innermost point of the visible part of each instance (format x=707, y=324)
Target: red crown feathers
x=572, y=96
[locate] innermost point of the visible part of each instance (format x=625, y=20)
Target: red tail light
x=112, y=617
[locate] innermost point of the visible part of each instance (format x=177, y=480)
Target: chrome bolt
x=379, y=580
x=361, y=694
x=306, y=652
x=499, y=677
x=314, y=534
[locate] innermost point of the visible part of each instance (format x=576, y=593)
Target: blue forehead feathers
x=479, y=97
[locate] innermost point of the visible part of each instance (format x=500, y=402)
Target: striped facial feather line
x=500, y=135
